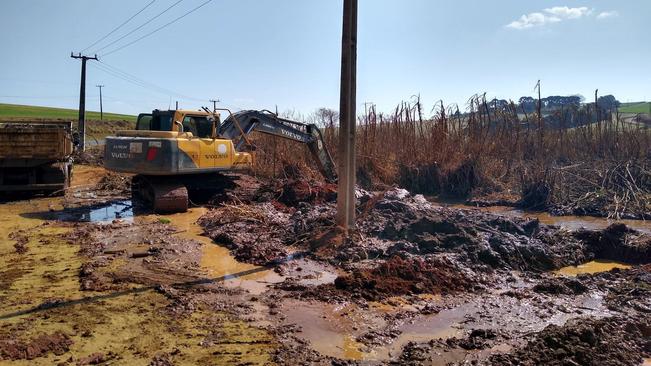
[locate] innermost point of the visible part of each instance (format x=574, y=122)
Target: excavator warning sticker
x=221, y=148
x=135, y=147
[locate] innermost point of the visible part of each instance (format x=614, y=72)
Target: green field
x=10, y=111
x=640, y=107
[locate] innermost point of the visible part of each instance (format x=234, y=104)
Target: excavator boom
x=240, y=124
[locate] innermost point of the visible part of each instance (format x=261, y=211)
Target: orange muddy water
x=131, y=328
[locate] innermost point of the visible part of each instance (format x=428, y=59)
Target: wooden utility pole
x=347, y=117
x=101, y=109
x=214, y=104
x=540, y=121
x=81, y=127
x=596, y=112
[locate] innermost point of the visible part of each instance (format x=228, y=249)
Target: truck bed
x=35, y=156
x=39, y=140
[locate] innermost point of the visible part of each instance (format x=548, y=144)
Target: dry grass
x=550, y=161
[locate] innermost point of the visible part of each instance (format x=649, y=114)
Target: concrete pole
x=81, y=127
x=347, y=118
x=101, y=108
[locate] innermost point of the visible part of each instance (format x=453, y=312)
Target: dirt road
x=262, y=276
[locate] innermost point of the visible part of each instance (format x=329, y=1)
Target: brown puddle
x=590, y=268
x=332, y=330
x=216, y=260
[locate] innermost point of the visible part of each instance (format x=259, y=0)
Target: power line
x=43, y=97
x=119, y=26
x=142, y=25
x=157, y=29
x=132, y=81
x=167, y=91
x=114, y=71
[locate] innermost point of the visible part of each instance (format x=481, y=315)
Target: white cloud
x=607, y=14
x=532, y=20
x=555, y=14
x=568, y=13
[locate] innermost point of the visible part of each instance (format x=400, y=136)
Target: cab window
x=199, y=126
x=161, y=122
x=144, y=122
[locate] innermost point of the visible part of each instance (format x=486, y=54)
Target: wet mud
x=503, y=278
x=262, y=275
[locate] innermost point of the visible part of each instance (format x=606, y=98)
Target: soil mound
x=399, y=276
x=476, y=238
x=612, y=341
x=254, y=233
x=12, y=349
x=618, y=243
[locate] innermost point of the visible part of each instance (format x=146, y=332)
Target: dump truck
x=175, y=151
x=35, y=156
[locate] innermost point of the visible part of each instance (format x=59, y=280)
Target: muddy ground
x=260, y=274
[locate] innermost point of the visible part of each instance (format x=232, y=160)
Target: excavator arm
x=240, y=124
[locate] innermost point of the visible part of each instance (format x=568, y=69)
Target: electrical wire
x=139, y=27
x=129, y=80
x=157, y=29
x=119, y=26
x=126, y=74
x=36, y=97
x=114, y=71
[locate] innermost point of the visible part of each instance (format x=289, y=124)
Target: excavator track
x=164, y=195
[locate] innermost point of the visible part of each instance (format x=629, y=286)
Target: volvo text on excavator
x=175, y=151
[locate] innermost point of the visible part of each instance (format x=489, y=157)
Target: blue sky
x=259, y=54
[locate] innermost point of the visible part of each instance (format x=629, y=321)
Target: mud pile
x=619, y=243
x=114, y=183
x=12, y=349
x=92, y=155
x=477, y=238
x=412, y=245
x=611, y=341
x=254, y=233
x=399, y=276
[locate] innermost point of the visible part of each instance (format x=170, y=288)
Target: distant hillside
x=27, y=111
x=639, y=107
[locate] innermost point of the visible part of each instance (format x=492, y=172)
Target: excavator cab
x=200, y=124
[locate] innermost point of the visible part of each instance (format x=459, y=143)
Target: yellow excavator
x=175, y=151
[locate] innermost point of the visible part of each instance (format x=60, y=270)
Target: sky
x=285, y=54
